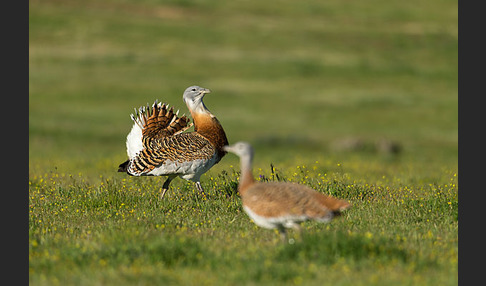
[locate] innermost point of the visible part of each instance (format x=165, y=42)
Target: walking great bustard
x=281, y=205
x=158, y=146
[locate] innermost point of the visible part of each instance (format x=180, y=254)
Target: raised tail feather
x=152, y=123
x=160, y=121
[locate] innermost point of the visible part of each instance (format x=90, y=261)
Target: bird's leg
x=298, y=228
x=283, y=234
x=165, y=187
x=162, y=194
x=200, y=188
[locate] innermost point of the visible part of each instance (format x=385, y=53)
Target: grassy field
x=316, y=87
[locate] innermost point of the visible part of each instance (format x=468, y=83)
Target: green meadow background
x=357, y=99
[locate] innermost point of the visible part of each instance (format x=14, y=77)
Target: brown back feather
x=279, y=198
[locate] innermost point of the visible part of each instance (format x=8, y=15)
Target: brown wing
x=281, y=198
x=181, y=148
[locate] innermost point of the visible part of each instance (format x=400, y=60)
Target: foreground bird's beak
x=205, y=91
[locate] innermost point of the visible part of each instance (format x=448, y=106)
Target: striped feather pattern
x=182, y=147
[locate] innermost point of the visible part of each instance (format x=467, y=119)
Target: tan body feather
x=279, y=199
x=281, y=204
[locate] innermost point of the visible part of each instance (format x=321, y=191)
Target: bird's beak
x=227, y=148
x=204, y=91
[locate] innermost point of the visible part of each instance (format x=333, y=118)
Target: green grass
x=297, y=80
x=117, y=232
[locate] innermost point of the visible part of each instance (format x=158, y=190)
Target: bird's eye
x=193, y=89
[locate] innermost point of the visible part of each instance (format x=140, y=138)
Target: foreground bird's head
x=193, y=96
x=241, y=149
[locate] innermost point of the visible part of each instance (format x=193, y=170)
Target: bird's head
x=193, y=96
x=241, y=149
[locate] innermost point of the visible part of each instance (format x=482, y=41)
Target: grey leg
x=283, y=234
x=199, y=188
x=298, y=228
x=165, y=187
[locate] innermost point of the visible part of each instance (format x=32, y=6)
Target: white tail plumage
x=134, y=138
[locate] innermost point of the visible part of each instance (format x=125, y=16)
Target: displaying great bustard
x=158, y=146
x=281, y=205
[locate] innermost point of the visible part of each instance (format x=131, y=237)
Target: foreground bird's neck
x=246, y=178
x=203, y=119
x=198, y=108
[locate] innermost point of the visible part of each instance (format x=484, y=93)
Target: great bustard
x=158, y=146
x=281, y=205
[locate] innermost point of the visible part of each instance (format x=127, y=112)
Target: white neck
x=197, y=106
x=246, y=178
